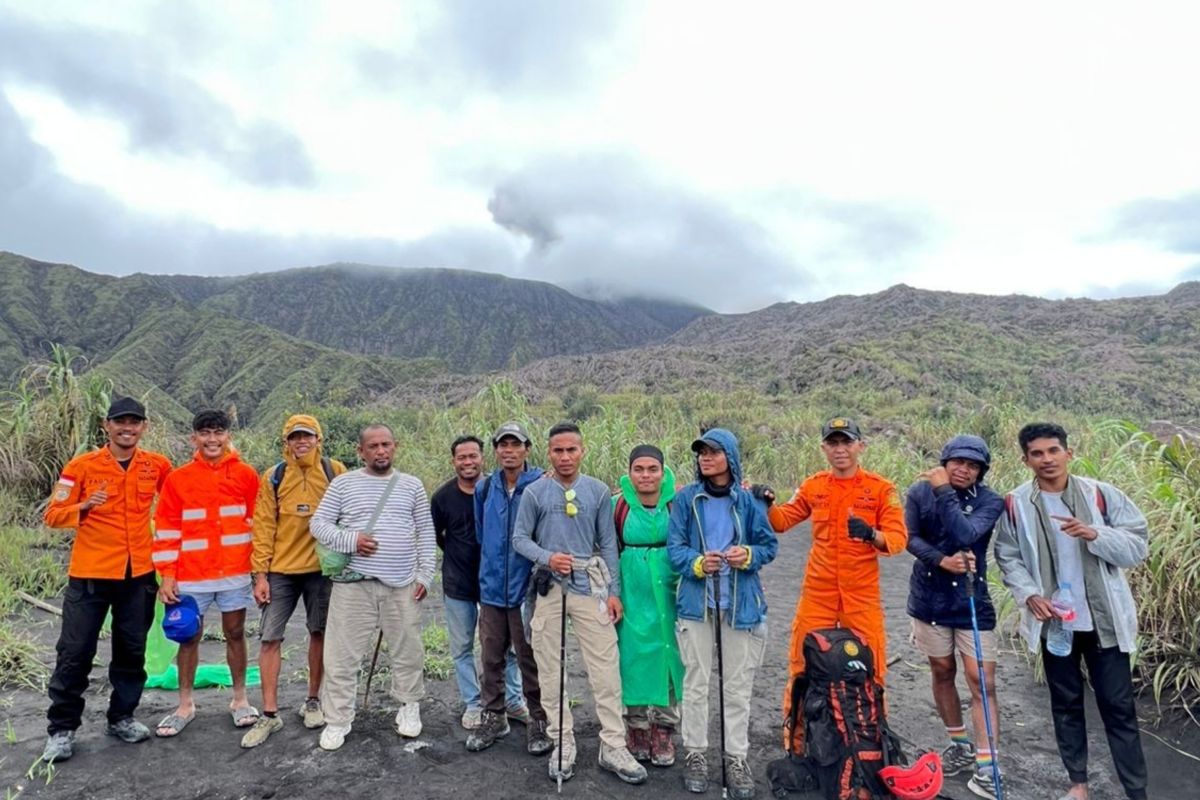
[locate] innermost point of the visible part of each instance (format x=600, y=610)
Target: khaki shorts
x=939, y=641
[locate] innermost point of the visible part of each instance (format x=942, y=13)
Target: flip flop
x=174, y=723
x=244, y=716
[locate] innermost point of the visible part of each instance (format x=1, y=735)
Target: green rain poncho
x=651, y=671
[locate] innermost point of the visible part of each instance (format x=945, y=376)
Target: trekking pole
x=371, y=672
x=720, y=678
x=562, y=681
x=987, y=710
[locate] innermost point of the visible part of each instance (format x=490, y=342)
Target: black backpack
x=846, y=736
x=281, y=467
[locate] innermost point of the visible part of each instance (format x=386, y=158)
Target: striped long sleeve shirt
x=407, y=544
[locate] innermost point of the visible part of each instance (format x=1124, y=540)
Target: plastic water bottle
x=1059, y=636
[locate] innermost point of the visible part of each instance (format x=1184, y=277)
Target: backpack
x=620, y=514
x=281, y=467
x=841, y=707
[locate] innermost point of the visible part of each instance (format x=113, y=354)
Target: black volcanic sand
x=206, y=761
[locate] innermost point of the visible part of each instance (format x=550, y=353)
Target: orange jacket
x=202, y=526
x=115, y=534
x=843, y=572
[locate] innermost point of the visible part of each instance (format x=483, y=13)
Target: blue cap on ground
x=181, y=622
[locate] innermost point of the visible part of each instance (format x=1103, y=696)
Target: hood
x=727, y=442
x=303, y=421
x=527, y=476
x=230, y=456
x=969, y=447
x=668, y=489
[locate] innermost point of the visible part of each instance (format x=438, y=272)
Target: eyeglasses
x=569, y=496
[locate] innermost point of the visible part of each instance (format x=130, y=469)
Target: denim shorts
x=228, y=600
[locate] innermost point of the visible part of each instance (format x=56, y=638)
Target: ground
x=206, y=761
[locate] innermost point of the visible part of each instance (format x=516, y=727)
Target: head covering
x=181, y=621
x=308, y=424
x=646, y=451
x=514, y=429
x=726, y=442
x=971, y=448
x=843, y=425
x=126, y=407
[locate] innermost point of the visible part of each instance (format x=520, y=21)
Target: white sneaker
x=408, y=720
x=334, y=736
x=471, y=718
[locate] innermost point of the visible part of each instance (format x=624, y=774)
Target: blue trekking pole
x=987, y=711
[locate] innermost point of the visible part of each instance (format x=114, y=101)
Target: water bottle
x=1059, y=635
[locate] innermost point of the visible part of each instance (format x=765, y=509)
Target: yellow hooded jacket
x=282, y=542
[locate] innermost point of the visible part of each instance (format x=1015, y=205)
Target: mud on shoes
x=408, y=720
x=620, y=762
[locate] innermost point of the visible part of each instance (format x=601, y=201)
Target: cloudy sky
x=729, y=154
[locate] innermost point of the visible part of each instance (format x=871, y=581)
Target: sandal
x=244, y=716
x=174, y=724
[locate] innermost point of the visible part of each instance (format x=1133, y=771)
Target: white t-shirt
x=1070, y=563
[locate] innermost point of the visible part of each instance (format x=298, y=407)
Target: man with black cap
x=106, y=496
x=856, y=517
x=950, y=516
x=503, y=580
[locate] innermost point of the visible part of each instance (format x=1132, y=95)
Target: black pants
x=85, y=604
x=1108, y=669
x=498, y=629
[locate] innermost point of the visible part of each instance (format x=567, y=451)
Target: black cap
x=703, y=442
x=843, y=425
x=126, y=407
x=513, y=429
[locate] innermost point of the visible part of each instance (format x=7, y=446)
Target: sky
x=732, y=155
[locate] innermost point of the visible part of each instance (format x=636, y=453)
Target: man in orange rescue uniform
x=856, y=515
x=202, y=546
x=105, y=495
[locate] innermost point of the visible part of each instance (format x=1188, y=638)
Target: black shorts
x=286, y=591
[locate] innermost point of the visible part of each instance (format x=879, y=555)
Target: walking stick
x=562, y=681
x=720, y=678
x=987, y=711
x=371, y=672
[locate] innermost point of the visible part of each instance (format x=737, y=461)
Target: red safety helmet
x=919, y=781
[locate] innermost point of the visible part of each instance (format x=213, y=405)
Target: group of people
x=652, y=579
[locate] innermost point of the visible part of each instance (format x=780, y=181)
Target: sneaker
x=492, y=726
x=958, y=758
x=260, y=730
x=662, y=747
x=60, y=746
x=334, y=736
x=983, y=784
x=620, y=762
x=408, y=720
x=637, y=741
x=128, y=730
x=312, y=714
x=695, y=772
x=537, y=741
x=519, y=714
x=740, y=781
x=568, y=760
x=471, y=718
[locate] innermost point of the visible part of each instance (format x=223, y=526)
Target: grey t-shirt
x=543, y=527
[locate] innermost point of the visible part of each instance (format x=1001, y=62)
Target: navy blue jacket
x=685, y=543
x=503, y=572
x=941, y=524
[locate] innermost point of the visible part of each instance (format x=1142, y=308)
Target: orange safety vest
x=203, y=523
x=114, y=536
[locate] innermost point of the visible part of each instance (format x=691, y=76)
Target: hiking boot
x=958, y=758
x=519, y=714
x=695, y=772
x=662, y=747
x=60, y=746
x=471, y=718
x=620, y=762
x=260, y=730
x=637, y=740
x=537, y=741
x=334, y=736
x=312, y=714
x=128, y=730
x=492, y=726
x=983, y=784
x=568, y=760
x=408, y=720
x=740, y=781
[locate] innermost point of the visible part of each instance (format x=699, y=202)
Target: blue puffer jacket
x=940, y=524
x=503, y=572
x=685, y=543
